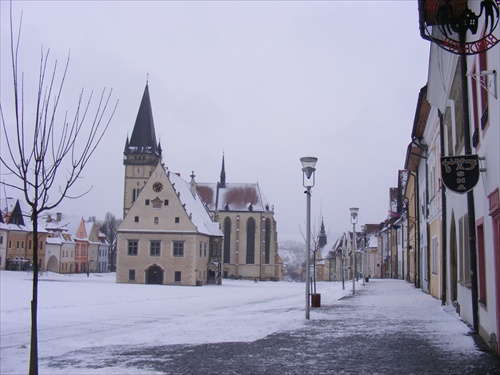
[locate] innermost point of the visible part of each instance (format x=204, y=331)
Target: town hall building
x=167, y=235
x=176, y=232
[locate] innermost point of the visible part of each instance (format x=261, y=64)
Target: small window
x=133, y=247
x=154, y=248
x=1, y=240
x=177, y=276
x=147, y=202
x=177, y=220
x=156, y=220
x=131, y=274
x=165, y=202
x=178, y=249
x=10, y=244
x=136, y=219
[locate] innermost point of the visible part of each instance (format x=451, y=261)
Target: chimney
x=59, y=216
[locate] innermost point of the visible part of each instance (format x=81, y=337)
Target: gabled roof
x=234, y=197
x=177, y=192
x=16, y=216
x=195, y=207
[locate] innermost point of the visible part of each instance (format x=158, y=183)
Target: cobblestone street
x=356, y=335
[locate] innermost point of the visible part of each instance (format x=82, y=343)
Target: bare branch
x=45, y=160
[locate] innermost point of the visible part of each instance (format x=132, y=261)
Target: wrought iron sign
x=460, y=173
x=458, y=25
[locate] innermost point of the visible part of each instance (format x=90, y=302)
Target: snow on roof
x=234, y=197
x=7, y=205
x=194, y=207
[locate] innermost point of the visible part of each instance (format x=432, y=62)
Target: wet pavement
x=387, y=327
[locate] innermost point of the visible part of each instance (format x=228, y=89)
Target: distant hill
x=293, y=254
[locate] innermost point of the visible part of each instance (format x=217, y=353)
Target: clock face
x=157, y=187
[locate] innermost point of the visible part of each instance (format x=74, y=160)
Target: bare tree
x=45, y=153
x=110, y=228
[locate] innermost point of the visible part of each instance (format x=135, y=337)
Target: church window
x=201, y=249
x=154, y=248
x=136, y=219
x=251, y=241
x=177, y=220
x=132, y=247
x=178, y=248
x=165, y=202
x=227, y=239
x=177, y=276
x=267, y=242
x=131, y=275
x=147, y=202
x=156, y=220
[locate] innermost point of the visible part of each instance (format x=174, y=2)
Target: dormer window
x=157, y=202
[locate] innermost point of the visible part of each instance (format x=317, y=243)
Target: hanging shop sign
x=460, y=173
x=461, y=30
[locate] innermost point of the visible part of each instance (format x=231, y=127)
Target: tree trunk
x=33, y=370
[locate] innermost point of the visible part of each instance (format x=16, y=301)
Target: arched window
x=267, y=242
x=227, y=239
x=251, y=241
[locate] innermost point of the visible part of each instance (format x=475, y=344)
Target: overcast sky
x=265, y=83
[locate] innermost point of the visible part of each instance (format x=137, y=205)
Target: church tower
x=142, y=153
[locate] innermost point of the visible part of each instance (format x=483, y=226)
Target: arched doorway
x=52, y=264
x=154, y=275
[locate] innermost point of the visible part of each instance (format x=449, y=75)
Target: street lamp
x=363, y=254
x=354, y=220
x=308, y=169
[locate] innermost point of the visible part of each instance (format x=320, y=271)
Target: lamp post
x=308, y=169
x=363, y=254
x=354, y=220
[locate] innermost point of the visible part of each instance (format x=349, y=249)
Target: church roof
x=234, y=197
x=143, y=136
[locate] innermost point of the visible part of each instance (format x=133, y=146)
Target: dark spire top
x=144, y=135
x=322, y=235
x=222, y=175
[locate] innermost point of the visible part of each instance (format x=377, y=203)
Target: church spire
x=143, y=137
x=222, y=175
x=322, y=235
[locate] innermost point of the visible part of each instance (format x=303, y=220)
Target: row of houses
x=66, y=244
x=442, y=232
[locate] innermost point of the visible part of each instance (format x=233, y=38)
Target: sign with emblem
x=460, y=173
x=461, y=29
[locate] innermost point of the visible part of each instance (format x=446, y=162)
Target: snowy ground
x=81, y=314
